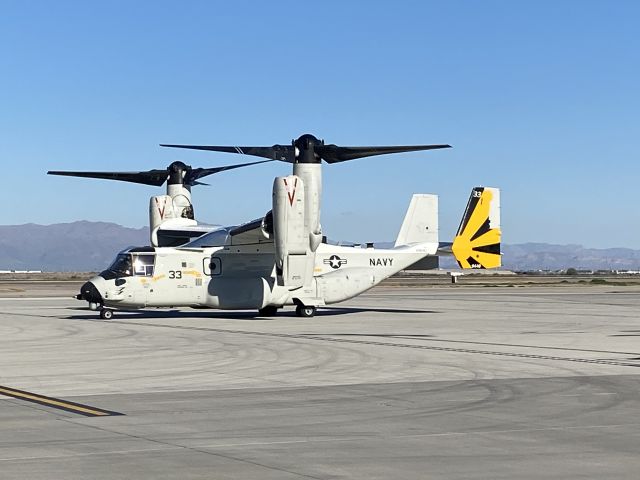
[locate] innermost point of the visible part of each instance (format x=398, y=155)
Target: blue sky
x=538, y=98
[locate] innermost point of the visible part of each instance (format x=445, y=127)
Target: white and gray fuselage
x=242, y=276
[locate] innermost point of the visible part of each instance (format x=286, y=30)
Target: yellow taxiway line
x=72, y=407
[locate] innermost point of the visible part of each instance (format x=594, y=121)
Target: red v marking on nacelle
x=161, y=210
x=291, y=191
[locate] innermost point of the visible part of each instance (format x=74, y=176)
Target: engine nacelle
x=267, y=224
x=294, y=264
x=160, y=209
x=164, y=211
x=311, y=175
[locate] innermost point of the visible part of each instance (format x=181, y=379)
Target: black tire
x=268, y=311
x=305, y=311
x=106, y=314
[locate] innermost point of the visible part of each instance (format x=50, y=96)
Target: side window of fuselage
x=143, y=265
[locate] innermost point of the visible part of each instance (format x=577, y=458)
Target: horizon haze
x=92, y=246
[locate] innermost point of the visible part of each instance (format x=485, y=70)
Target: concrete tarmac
x=402, y=383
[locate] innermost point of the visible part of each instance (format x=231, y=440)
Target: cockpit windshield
x=121, y=266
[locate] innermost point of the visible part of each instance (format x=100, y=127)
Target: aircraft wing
x=175, y=235
x=249, y=233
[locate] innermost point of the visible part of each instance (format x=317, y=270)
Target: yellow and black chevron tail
x=477, y=243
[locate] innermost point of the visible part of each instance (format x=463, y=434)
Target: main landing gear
x=268, y=311
x=305, y=311
x=106, y=314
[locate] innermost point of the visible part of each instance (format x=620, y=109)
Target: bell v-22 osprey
x=282, y=259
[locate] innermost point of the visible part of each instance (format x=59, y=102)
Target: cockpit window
x=121, y=266
x=143, y=265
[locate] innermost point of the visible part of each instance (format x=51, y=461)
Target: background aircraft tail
x=477, y=243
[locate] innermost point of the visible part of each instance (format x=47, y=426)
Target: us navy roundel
x=334, y=261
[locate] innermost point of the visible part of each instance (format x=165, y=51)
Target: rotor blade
x=150, y=177
x=284, y=153
x=194, y=174
x=334, y=153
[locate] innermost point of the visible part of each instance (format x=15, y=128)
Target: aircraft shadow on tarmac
x=237, y=315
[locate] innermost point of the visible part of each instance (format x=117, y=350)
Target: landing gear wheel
x=106, y=314
x=268, y=311
x=305, y=311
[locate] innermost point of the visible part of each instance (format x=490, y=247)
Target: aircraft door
x=141, y=284
x=141, y=292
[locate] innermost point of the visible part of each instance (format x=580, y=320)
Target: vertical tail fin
x=420, y=223
x=477, y=243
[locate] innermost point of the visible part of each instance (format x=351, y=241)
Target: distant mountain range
x=89, y=246
x=65, y=247
x=543, y=256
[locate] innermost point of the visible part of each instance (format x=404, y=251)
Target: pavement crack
x=192, y=449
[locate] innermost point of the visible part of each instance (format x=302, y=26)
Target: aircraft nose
x=90, y=293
